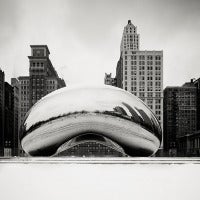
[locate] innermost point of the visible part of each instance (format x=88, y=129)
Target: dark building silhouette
x=190, y=144
x=15, y=85
x=180, y=118
x=9, y=120
x=2, y=94
x=119, y=73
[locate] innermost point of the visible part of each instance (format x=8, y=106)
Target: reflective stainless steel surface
x=104, y=110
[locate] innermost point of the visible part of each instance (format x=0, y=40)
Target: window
x=149, y=68
x=157, y=58
x=157, y=83
x=158, y=63
x=150, y=78
x=158, y=101
x=150, y=106
x=157, y=106
x=157, y=67
x=158, y=112
x=141, y=78
x=149, y=83
x=158, y=94
x=150, y=101
x=141, y=94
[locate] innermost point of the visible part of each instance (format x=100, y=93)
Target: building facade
x=109, y=80
x=42, y=75
x=15, y=85
x=23, y=97
x=9, y=120
x=42, y=80
x=180, y=118
x=2, y=94
x=141, y=72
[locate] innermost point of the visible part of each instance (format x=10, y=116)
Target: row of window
x=142, y=78
x=38, y=64
x=150, y=68
x=131, y=36
x=142, y=83
x=24, y=82
x=24, y=92
x=130, y=30
x=135, y=47
x=149, y=93
x=142, y=73
x=25, y=87
x=51, y=82
x=142, y=62
x=142, y=57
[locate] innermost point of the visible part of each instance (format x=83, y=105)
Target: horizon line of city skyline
x=9, y=80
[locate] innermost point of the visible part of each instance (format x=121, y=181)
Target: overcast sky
x=84, y=36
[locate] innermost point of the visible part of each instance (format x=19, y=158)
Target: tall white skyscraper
x=141, y=72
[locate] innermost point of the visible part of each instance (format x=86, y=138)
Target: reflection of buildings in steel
x=109, y=112
x=88, y=145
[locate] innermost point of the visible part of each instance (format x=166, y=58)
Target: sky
x=84, y=36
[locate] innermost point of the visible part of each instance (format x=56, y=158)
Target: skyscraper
x=42, y=75
x=180, y=118
x=9, y=120
x=141, y=72
x=15, y=85
x=42, y=79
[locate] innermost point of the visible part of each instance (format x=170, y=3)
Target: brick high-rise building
x=42, y=79
x=180, y=118
x=42, y=75
x=140, y=71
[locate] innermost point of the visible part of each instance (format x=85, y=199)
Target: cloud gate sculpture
x=90, y=121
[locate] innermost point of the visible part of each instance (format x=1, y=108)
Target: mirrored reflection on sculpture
x=90, y=121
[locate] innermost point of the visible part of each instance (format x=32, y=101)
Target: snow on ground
x=139, y=179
